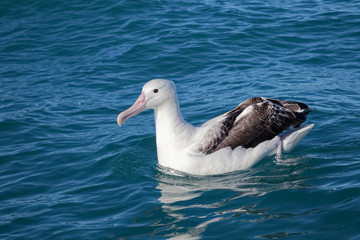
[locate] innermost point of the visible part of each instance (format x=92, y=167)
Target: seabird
x=235, y=140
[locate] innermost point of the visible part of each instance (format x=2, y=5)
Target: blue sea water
x=67, y=68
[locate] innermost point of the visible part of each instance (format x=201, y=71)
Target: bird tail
x=291, y=139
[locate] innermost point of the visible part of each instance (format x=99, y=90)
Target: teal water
x=67, y=68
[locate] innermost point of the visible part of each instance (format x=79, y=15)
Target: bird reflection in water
x=197, y=202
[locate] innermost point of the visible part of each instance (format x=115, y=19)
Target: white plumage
x=235, y=140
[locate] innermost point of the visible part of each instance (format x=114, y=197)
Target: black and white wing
x=251, y=123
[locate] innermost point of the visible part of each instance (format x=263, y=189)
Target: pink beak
x=136, y=108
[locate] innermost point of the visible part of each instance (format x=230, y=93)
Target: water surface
x=67, y=171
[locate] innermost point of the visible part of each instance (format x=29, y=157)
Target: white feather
x=178, y=141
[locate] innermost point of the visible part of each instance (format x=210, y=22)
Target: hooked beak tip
x=120, y=119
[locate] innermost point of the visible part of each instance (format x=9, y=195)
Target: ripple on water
x=67, y=171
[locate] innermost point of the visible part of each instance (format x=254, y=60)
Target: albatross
x=235, y=140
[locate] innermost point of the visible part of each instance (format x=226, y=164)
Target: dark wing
x=254, y=121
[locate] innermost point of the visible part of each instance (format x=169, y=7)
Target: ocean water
x=67, y=68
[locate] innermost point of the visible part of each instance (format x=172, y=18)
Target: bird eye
x=155, y=90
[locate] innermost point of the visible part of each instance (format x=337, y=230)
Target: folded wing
x=252, y=122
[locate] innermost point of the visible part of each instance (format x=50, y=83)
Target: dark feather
x=266, y=119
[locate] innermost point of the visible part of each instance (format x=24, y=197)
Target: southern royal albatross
x=235, y=140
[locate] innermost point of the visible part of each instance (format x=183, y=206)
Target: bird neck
x=172, y=131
